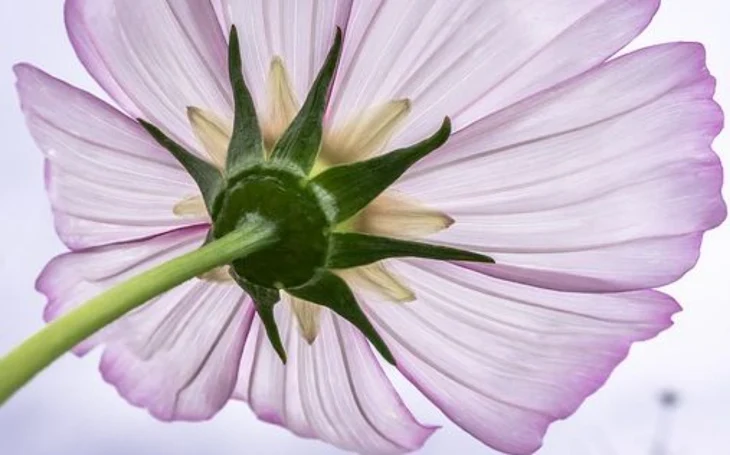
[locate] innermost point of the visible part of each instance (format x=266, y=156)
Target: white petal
x=333, y=390
x=108, y=181
x=469, y=58
x=364, y=135
x=610, y=177
x=155, y=58
x=504, y=360
x=178, y=357
x=300, y=33
x=71, y=279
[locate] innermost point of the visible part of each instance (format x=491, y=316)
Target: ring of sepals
x=307, y=208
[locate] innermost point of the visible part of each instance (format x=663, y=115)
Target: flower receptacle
x=307, y=207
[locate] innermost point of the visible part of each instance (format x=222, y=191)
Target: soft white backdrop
x=70, y=410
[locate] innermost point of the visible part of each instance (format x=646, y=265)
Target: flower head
x=589, y=180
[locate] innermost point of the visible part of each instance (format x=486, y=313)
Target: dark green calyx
x=279, y=196
x=306, y=210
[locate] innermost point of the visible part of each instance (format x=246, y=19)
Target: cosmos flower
x=588, y=178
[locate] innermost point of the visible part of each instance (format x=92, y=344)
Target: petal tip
x=113, y=373
x=20, y=68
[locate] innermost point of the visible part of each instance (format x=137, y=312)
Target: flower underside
x=323, y=190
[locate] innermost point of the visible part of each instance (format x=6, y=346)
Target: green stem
x=55, y=339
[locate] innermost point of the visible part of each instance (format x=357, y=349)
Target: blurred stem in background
x=668, y=402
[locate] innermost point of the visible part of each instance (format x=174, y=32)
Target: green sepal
x=246, y=146
x=347, y=189
x=331, y=291
x=206, y=176
x=264, y=300
x=353, y=250
x=298, y=147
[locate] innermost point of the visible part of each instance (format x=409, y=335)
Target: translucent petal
x=365, y=134
x=497, y=356
x=606, y=182
x=473, y=57
x=73, y=278
x=154, y=59
x=107, y=179
x=333, y=389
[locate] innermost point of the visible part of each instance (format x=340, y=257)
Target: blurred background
x=671, y=397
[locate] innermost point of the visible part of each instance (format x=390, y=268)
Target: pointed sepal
x=264, y=300
x=246, y=146
x=298, y=147
x=206, y=176
x=349, y=250
x=331, y=291
x=345, y=190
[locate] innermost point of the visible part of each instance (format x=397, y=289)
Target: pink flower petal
x=333, y=390
x=504, y=360
x=155, y=59
x=605, y=182
x=71, y=279
x=108, y=181
x=178, y=357
x=470, y=58
x=299, y=32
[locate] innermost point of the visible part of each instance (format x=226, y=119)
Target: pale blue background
x=70, y=410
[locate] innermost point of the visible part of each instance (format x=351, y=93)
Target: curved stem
x=58, y=337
